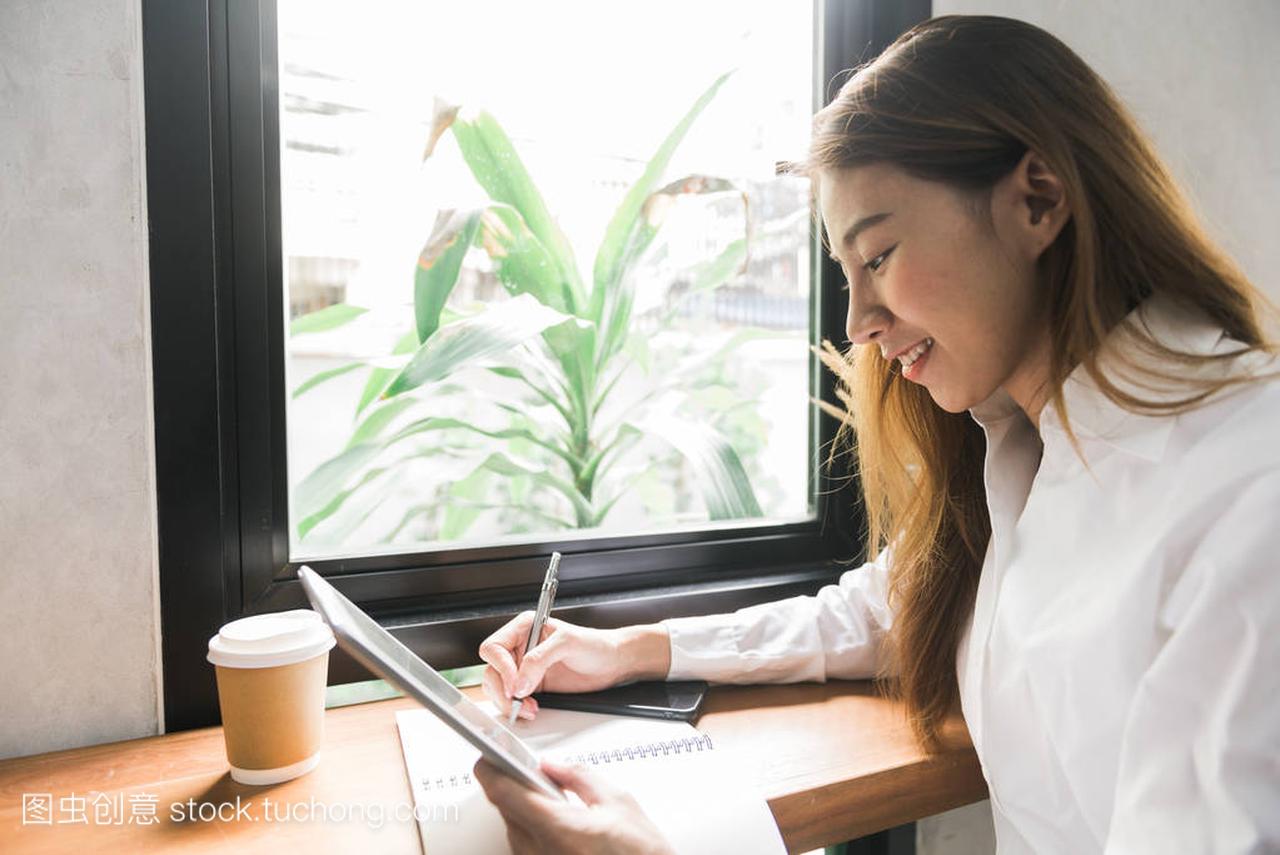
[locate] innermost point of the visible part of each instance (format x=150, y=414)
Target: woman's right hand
x=568, y=658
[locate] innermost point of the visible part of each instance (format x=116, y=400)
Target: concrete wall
x=1203, y=80
x=79, y=617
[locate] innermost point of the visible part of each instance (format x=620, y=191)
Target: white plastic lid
x=266, y=641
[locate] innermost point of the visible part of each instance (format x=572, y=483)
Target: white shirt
x=1120, y=673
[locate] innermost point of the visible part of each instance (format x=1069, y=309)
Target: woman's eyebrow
x=862, y=225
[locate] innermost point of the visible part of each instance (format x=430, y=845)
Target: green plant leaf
x=318, y=490
x=523, y=264
x=574, y=348
x=497, y=329
x=714, y=273
x=692, y=370
x=725, y=487
x=423, y=509
x=624, y=437
x=620, y=297
x=617, y=247
x=352, y=517
x=321, y=376
x=459, y=516
x=516, y=374
x=438, y=266
x=504, y=465
x=637, y=347
x=459, y=511
x=325, y=489
x=524, y=509
x=335, y=503
x=442, y=423
x=328, y=318
x=495, y=164
x=658, y=206
x=376, y=421
x=380, y=378
x=710, y=275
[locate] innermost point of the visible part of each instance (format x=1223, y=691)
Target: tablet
x=376, y=649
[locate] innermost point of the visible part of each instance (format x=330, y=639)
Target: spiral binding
x=666, y=747
x=447, y=782
x=663, y=748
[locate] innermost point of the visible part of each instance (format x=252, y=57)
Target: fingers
x=516, y=802
x=495, y=691
x=536, y=662
x=591, y=788
x=501, y=648
x=497, y=694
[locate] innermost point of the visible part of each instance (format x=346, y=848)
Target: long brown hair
x=959, y=100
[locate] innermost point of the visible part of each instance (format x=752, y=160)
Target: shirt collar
x=998, y=407
x=1095, y=416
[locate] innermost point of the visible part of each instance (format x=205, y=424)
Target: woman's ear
x=1038, y=202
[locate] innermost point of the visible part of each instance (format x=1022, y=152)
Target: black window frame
x=216, y=313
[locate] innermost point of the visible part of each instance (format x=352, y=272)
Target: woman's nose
x=866, y=320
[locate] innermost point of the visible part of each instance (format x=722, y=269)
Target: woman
x=1065, y=415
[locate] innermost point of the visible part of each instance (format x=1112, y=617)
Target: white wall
x=1203, y=79
x=79, y=623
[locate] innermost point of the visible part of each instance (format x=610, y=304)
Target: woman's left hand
x=608, y=821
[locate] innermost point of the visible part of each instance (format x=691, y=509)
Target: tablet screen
x=378, y=650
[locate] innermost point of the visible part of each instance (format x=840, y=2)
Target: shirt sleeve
x=1200, y=756
x=837, y=632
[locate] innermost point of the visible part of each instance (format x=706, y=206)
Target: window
x=290, y=209
x=621, y=347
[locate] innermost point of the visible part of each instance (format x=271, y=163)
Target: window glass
x=541, y=277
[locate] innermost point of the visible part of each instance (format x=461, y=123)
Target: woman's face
x=948, y=296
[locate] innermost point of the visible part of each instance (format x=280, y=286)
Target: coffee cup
x=271, y=671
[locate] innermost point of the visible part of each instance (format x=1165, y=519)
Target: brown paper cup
x=273, y=719
x=271, y=671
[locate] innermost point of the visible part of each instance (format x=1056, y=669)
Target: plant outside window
x=546, y=405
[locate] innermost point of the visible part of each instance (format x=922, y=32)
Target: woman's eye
x=874, y=264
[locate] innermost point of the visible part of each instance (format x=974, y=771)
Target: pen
x=545, y=600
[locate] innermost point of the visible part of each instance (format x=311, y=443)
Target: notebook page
x=689, y=790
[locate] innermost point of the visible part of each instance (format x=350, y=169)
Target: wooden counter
x=835, y=761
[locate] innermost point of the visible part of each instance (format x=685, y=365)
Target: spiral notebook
x=690, y=789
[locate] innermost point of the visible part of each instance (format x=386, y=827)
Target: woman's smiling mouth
x=913, y=360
